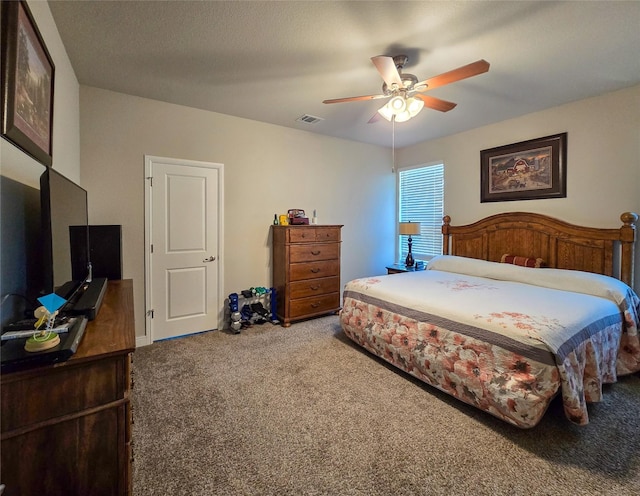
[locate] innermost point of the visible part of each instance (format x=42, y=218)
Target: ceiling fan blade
x=374, y=118
x=388, y=70
x=464, y=72
x=436, y=103
x=355, y=98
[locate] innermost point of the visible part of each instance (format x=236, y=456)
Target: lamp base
x=409, y=261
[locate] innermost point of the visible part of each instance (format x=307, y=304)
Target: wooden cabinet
x=66, y=428
x=306, y=271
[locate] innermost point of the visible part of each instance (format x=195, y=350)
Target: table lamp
x=410, y=228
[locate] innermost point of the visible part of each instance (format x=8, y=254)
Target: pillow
x=522, y=261
x=562, y=279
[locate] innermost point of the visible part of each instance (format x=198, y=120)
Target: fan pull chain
x=393, y=144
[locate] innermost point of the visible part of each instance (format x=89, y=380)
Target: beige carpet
x=303, y=411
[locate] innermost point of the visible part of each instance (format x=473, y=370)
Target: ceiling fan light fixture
x=385, y=112
x=403, y=116
x=397, y=104
x=414, y=106
x=402, y=108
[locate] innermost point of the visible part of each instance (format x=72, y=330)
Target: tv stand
x=91, y=298
x=66, y=427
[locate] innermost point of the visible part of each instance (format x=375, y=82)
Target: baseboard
x=142, y=341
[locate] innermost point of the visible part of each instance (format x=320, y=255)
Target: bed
x=559, y=317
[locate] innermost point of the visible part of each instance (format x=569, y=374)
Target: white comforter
x=583, y=319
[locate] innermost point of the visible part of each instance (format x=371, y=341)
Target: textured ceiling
x=274, y=61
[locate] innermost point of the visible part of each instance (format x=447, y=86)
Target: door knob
x=210, y=259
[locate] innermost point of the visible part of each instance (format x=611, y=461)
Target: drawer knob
x=315, y=305
x=315, y=270
x=316, y=252
x=314, y=288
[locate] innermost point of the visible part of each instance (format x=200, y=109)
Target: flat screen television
x=65, y=240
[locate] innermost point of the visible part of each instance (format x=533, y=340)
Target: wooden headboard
x=560, y=244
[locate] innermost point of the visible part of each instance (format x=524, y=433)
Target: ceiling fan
x=405, y=91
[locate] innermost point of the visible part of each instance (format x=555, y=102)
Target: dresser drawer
x=312, y=252
x=314, y=287
x=311, y=234
x=314, y=270
x=302, y=234
x=314, y=305
x=328, y=234
x=27, y=402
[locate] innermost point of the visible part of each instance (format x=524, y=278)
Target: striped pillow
x=522, y=261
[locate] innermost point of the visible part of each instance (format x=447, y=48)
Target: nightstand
x=398, y=268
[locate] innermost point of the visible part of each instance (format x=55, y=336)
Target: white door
x=184, y=222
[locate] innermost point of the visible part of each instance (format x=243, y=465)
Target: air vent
x=309, y=119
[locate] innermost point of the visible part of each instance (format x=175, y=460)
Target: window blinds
x=421, y=199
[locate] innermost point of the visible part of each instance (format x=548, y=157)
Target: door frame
x=149, y=160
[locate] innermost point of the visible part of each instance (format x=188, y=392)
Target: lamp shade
x=410, y=228
x=385, y=112
x=403, y=116
x=397, y=104
x=414, y=106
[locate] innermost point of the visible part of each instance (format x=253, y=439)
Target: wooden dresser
x=66, y=428
x=306, y=271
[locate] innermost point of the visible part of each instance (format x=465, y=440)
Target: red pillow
x=522, y=261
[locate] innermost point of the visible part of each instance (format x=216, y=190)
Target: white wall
x=21, y=204
x=603, y=161
x=66, y=113
x=268, y=169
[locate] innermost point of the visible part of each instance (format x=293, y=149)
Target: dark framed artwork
x=528, y=170
x=27, y=84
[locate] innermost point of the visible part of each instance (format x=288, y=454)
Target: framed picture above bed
x=528, y=170
x=27, y=83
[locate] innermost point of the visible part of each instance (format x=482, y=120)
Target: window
x=421, y=199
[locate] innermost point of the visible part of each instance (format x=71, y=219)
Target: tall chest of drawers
x=306, y=271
